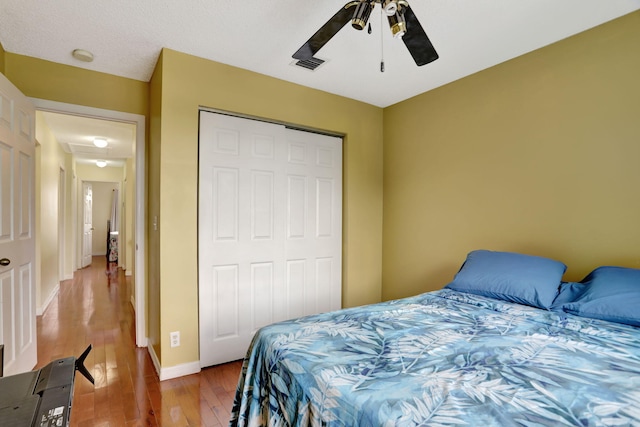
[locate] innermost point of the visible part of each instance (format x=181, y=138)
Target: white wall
x=101, y=213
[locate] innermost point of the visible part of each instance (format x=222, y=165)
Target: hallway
x=94, y=308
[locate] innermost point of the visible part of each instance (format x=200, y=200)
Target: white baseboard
x=128, y=273
x=143, y=342
x=179, y=371
x=45, y=304
x=173, y=371
x=154, y=359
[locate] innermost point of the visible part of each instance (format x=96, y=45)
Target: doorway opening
x=135, y=200
x=100, y=225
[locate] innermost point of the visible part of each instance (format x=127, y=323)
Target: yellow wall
x=153, y=197
x=189, y=82
x=42, y=79
x=89, y=172
x=2, y=53
x=51, y=158
x=540, y=155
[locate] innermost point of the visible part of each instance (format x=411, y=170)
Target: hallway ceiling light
x=100, y=142
x=101, y=163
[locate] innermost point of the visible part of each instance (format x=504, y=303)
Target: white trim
x=140, y=195
x=140, y=248
x=179, y=371
x=40, y=310
x=173, y=371
x=62, y=224
x=154, y=359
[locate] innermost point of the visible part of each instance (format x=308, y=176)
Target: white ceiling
x=126, y=37
x=76, y=134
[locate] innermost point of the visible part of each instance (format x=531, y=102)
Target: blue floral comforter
x=443, y=358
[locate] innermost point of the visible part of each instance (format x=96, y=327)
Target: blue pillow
x=519, y=278
x=612, y=293
x=569, y=292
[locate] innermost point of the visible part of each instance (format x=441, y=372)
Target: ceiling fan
x=402, y=22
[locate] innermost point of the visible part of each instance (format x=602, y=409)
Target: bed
x=457, y=356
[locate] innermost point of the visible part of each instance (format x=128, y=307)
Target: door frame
x=62, y=226
x=140, y=213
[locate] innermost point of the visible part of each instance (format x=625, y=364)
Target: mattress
x=442, y=358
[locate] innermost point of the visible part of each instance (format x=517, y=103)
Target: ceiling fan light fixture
x=361, y=15
x=100, y=142
x=390, y=7
x=101, y=163
x=397, y=24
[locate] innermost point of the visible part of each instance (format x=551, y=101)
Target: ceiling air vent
x=309, y=64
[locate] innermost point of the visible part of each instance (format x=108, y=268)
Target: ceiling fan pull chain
x=381, y=41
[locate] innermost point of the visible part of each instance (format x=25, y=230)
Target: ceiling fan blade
x=416, y=40
x=326, y=32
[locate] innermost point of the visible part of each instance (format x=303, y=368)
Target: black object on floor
x=41, y=398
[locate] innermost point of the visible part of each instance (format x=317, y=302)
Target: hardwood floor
x=94, y=308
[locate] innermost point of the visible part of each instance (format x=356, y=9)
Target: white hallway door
x=270, y=229
x=17, y=230
x=87, y=224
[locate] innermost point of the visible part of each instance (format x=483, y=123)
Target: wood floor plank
x=94, y=308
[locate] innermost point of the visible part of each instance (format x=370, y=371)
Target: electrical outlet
x=175, y=339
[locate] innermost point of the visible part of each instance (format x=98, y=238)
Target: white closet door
x=270, y=229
